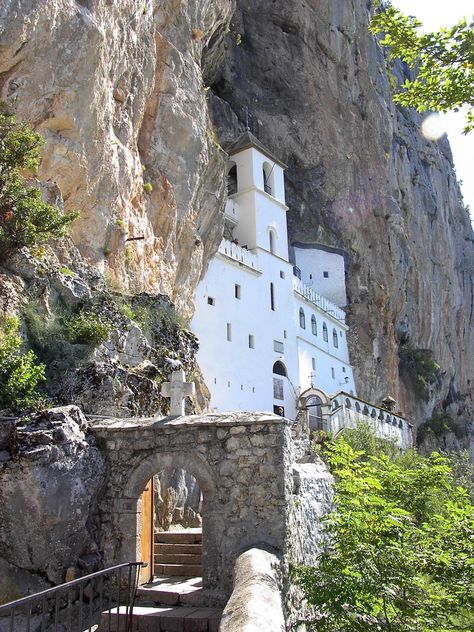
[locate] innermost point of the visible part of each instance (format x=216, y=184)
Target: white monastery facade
x=272, y=332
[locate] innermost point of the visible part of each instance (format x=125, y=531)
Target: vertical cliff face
x=118, y=89
x=362, y=177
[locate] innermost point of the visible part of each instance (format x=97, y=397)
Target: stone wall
x=242, y=463
x=256, y=599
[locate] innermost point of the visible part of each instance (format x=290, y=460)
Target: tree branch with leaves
x=443, y=62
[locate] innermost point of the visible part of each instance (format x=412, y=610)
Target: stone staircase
x=178, y=553
x=173, y=601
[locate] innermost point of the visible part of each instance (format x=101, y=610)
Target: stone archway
x=242, y=464
x=186, y=460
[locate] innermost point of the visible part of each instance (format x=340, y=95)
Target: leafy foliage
x=25, y=219
x=401, y=547
x=443, y=61
x=418, y=369
x=19, y=372
x=87, y=328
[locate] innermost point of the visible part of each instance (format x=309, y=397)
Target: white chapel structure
x=272, y=332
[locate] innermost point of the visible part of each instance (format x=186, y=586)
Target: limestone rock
x=118, y=91
x=48, y=491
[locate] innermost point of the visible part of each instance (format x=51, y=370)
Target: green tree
x=19, y=372
x=25, y=219
x=443, y=61
x=400, y=555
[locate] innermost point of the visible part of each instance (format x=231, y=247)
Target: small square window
x=211, y=300
x=237, y=290
x=251, y=341
x=326, y=274
x=282, y=274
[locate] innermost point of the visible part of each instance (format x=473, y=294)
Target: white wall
x=313, y=262
x=238, y=377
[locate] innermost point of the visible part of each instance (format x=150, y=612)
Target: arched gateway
x=241, y=462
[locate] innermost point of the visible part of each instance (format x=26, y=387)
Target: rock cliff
x=118, y=89
x=361, y=176
x=121, y=92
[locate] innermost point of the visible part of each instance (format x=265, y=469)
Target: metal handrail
x=53, y=615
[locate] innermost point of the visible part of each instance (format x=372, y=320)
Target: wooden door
x=147, y=533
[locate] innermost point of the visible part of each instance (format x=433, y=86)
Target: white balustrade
x=236, y=252
x=320, y=301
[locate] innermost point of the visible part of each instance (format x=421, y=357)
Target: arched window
x=325, y=332
x=272, y=297
x=348, y=403
x=315, y=413
x=335, y=340
x=232, y=180
x=271, y=239
x=278, y=388
x=302, y=319
x=357, y=407
x=279, y=368
x=314, y=326
x=267, y=177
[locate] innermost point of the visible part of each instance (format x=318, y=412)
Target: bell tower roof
x=246, y=140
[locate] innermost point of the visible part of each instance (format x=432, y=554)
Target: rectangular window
x=326, y=274
x=251, y=341
x=237, y=290
x=229, y=332
x=277, y=388
x=284, y=334
x=282, y=274
x=343, y=369
x=278, y=346
x=211, y=300
x=333, y=373
x=313, y=364
x=272, y=297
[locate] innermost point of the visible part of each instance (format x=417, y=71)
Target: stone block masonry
x=242, y=462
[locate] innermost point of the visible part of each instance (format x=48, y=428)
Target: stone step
x=165, y=619
x=181, y=549
x=181, y=570
x=178, y=558
x=179, y=537
x=172, y=591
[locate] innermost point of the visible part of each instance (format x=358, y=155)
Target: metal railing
x=78, y=605
x=267, y=188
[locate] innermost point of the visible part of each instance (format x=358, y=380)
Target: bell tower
x=256, y=203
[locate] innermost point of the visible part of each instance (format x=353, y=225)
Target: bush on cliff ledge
x=25, y=219
x=19, y=372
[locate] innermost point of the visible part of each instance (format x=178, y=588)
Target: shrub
x=87, y=328
x=25, y=219
x=399, y=550
x=418, y=369
x=19, y=372
x=148, y=187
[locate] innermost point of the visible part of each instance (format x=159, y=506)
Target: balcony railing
x=76, y=605
x=318, y=300
x=236, y=252
x=267, y=188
